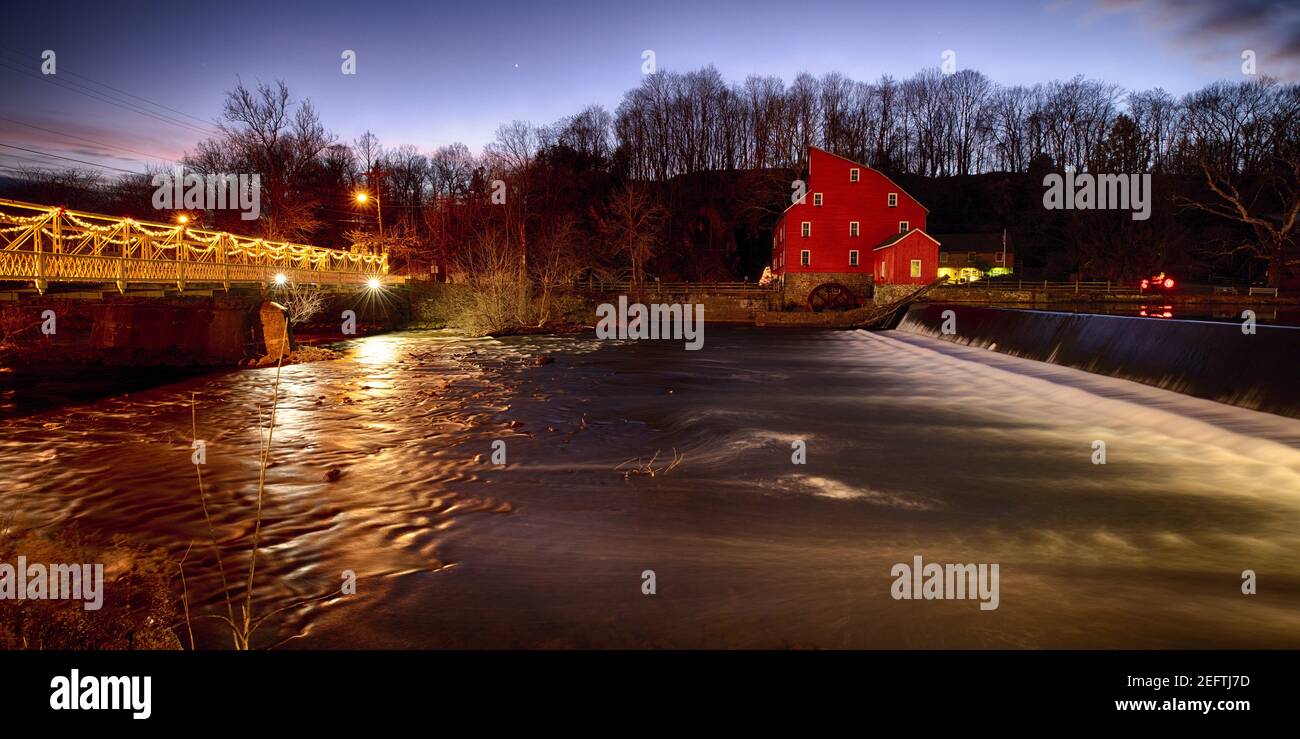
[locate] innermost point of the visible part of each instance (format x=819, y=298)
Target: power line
x=104, y=98
x=16, y=56
x=89, y=141
x=137, y=97
x=70, y=159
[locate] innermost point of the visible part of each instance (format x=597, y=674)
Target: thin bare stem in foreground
x=185, y=595
x=207, y=517
x=261, y=493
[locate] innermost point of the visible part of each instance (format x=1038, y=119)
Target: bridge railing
x=42, y=243
x=1079, y=286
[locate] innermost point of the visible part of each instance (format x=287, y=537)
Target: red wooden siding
x=893, y=263
x=843, y=202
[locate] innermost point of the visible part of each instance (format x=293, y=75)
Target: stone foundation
x=135, y=331
x=796, y=286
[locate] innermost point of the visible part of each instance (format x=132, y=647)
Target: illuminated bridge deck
x=42, y=244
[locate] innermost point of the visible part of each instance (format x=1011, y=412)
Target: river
x=914, y=447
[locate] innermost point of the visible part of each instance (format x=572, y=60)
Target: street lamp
x=379, y=212
x=182, y=219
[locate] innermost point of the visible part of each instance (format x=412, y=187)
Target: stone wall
x=890, y=293
x=134, y=331
x=795, y=286
x=209, y=334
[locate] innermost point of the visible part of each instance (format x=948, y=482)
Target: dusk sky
x=430, y=74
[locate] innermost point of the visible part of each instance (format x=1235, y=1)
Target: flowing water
x=914, y=446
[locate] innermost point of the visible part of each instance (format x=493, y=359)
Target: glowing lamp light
x=1145, y=284
x=183, y=219
x=362, y=197
x=373, y=283
x=280, y=279
x=1169, y=282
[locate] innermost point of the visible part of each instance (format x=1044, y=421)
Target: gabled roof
x=895, y=239
x=863, y=166
x=856, y=164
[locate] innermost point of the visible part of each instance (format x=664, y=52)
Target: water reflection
x=378, y=350
x=1156, y=311
x=914, y=446
x=1279, y=315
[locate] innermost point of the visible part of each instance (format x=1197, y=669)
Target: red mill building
x=854, y=227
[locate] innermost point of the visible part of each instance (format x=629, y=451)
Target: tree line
x=685, y=177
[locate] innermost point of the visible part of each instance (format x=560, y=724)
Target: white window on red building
x=916, y=267
x=853, y=257
x=893, y=200
x=853, y=174
x=817, y=200
x=902, y=227
x=805, y=229
x=853, y=228
x=805, y=257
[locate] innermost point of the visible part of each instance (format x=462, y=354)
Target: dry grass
x=139, y=611
x=637, y=467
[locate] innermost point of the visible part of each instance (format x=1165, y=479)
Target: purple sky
x=430, y=73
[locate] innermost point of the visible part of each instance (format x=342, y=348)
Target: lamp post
x=375, y=177
x=379, y=213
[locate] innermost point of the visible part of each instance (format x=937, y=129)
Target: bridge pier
x=136, y=330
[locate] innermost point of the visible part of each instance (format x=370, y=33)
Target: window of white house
x=817, y=199
x=853, y=257
x=805, y=257
x=805, y=229
x=916, y=267
x=893, y=200
x=902, y=227
x=853, y=174
x=853, y=228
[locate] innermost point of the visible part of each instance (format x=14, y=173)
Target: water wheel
x=831, y=296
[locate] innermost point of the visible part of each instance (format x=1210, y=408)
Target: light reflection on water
x=1167, y=308
x=914, y=446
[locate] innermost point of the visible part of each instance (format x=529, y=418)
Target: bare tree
x=264, y=132
x=302, y=302
x=631, y=223
x=1248, y=151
